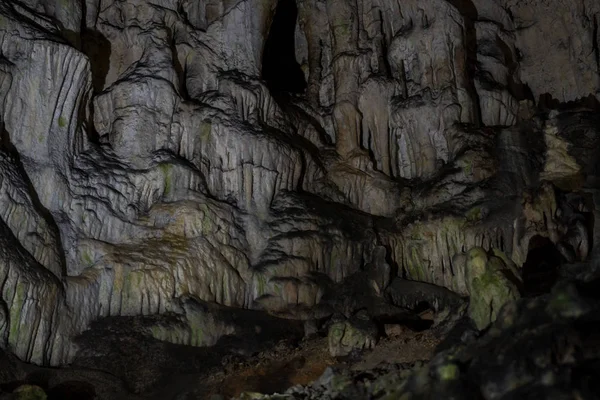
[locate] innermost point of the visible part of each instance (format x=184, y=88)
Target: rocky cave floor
x=290, y=364
x=145, y=368
x=540, y=347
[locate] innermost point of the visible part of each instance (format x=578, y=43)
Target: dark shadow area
x=540, y=271
x=145, y=364
x=9, y=387
x=280, y=70
x=280, y=377
x=422, y=307
x=98, y=49
x=72, y=37
x=67, y=390
x=411, y=320
x=72, y=390
x=466, y=8
x=39, y=378
x=586, y=377
x=421, y=324
x=547, y=102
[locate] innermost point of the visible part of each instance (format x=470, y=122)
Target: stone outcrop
x=489, y=287
x=357, y=333
x=150, y=156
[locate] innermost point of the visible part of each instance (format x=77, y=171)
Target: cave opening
x=540, y=270
x=280, y=70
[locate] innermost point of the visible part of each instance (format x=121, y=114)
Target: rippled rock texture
x=158, y=155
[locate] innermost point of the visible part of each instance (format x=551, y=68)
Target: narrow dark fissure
x=540, y=271
x=280, y=70
x=595, y=45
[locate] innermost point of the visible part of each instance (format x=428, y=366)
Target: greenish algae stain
x=474, y=214
x=205, y=130
x=449, y=372
x=166, y=170
x=87, y=258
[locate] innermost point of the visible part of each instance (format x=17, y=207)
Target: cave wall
x=144, y=160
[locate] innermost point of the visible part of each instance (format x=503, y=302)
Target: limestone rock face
x=161, y=153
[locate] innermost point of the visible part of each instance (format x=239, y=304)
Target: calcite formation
x=489, y=287
x=157, y=153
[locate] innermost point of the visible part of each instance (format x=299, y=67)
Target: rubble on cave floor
x=308, y=361
x=127, y=365
x=544, y=347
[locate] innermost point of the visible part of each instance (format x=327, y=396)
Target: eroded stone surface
x=145, y=162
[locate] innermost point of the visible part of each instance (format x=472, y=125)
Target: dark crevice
x=420, y=324
x=466, y=8
x=540, y=271
x=595, y=45
x=90, y=131
x=98, y=49
x=83, y=22
x=387, y=68
x=547, y=102
x=280, y=70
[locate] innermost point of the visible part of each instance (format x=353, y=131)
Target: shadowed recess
x=98, y=49
x=280, y=70
x=540, y=270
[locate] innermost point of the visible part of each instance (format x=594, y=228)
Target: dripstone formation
x=307, y=158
